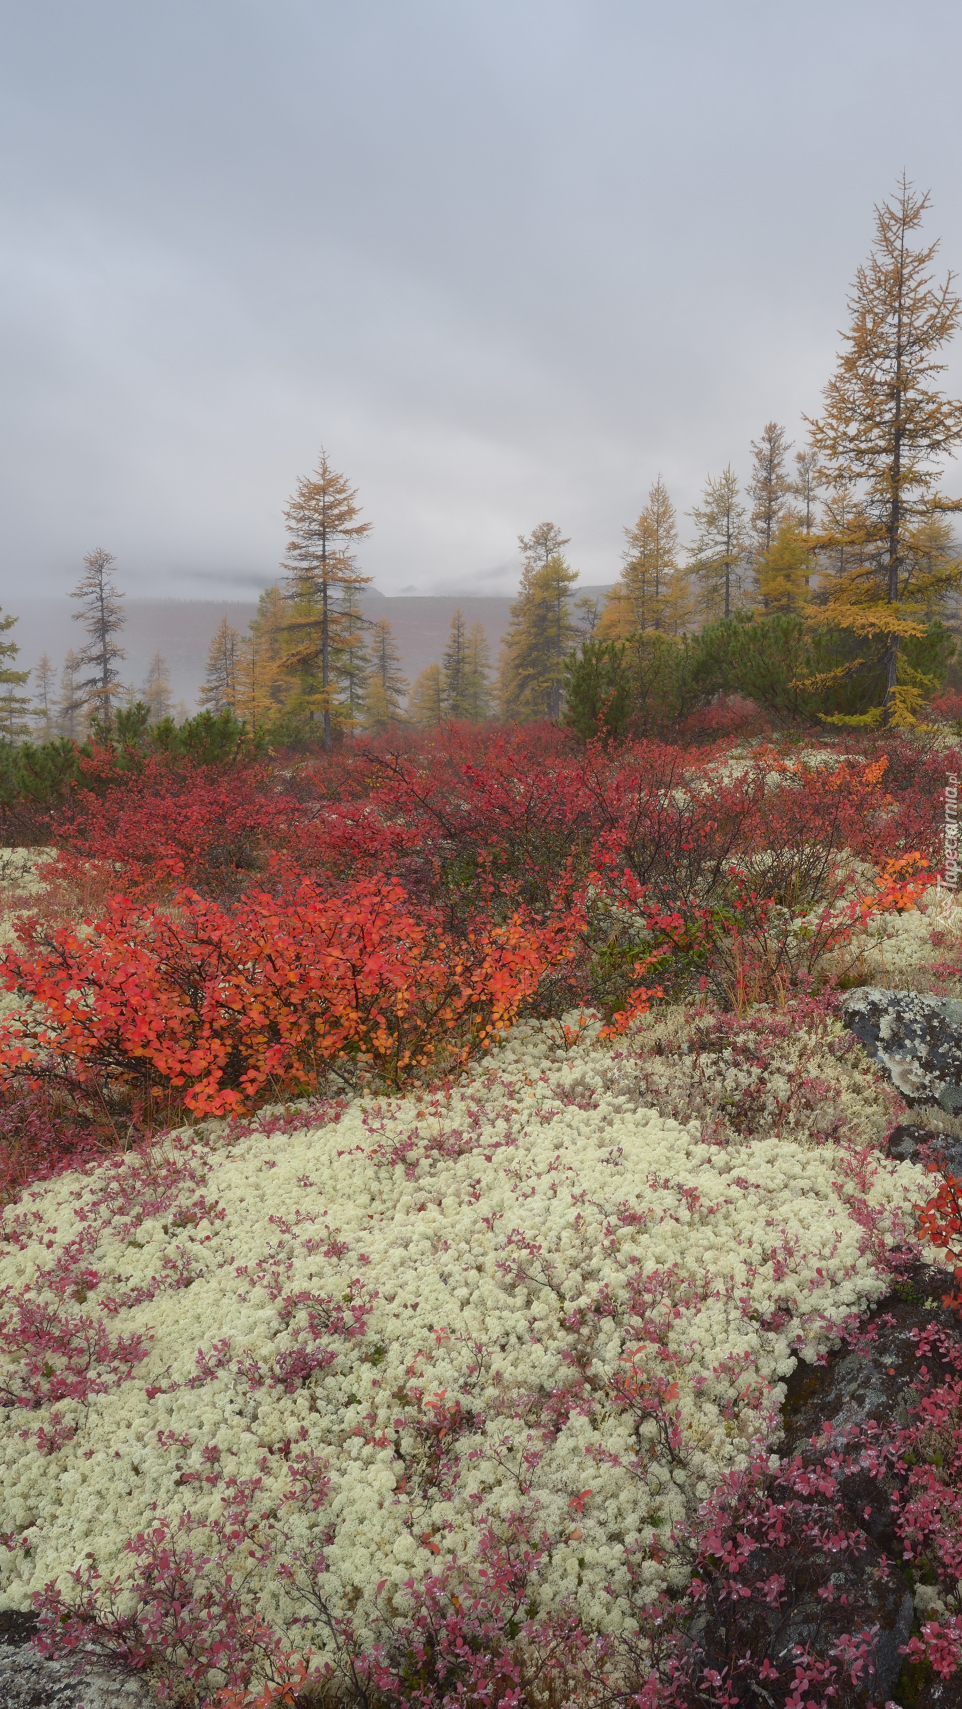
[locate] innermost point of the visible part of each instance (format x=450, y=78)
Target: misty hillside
x=181, y=629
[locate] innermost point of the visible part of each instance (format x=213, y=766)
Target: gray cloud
x=506, y=259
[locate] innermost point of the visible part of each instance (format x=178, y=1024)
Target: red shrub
x=507, y=807
x=730, y=715
x=209, y=1009
x=41, y=1135
x=668, y=865
x=947, y=706
x=171, y=823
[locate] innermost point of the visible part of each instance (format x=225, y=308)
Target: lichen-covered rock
x=30, y=1681
x=917, y=1040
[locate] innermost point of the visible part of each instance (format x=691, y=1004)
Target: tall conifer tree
x=478, y=674
x=387, y=686
x=639, y=600
x=102, y=615
x=805, y=487
x=156, y=690
x=540, y=630
x=770, y=484
x=719, y=556
x=455, y=685
x=426, y=703
x=270, y=689
x=885, y=431
x=322, y=530
x=70, y=703
x=350, y=657
x=541, y=633
x=14, y=707
x=225, y=683
x=43, y=702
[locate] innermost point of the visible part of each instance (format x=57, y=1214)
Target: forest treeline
x=827, y=588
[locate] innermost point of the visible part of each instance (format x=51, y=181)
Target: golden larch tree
x=322, y=531
x=156, y=692
x=540, y=635
x=719, y=557
x=426, y=704
x=43, y=705
x=770, y=484
x=885, y=433
x=639, y=600
x=784, y=571
x=269, y=688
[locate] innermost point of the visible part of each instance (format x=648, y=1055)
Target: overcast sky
x=506, y=260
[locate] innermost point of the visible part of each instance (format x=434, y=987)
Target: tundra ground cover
x=530, y=1307
x=439, y=1376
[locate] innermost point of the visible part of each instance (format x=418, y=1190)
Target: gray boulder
x=917, y=1039
x=28, y=1681
x=31, y=1681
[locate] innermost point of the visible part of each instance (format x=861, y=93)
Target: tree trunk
x=556, y=685
x=891, y=678
x=325, y=665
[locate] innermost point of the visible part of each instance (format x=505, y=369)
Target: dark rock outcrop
x=16, y=1628
x=917, y=1039
x=873, y=1384
x=855, y=1388
x=922, y=1145
x=934, y=1694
